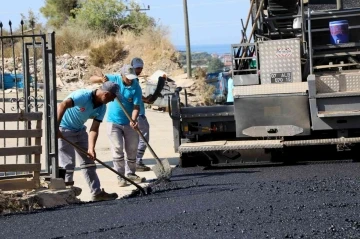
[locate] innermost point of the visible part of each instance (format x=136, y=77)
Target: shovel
x=162, y=169
x=106, y=166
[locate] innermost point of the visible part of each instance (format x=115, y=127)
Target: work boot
x=122, y=182
x=104, y=196
x=133, y=177
x=76, y=190
x=142, y=167
x=69, y=183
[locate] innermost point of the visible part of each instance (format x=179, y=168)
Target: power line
x=137, y=9
x=201, y=24
x=197, y=4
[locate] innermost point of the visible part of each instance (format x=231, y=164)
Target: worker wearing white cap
x=120, y=130
x=138, y=64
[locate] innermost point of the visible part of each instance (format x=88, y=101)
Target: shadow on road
x=197, y=175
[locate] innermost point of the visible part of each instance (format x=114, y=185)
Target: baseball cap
x=137, y=62
x=129, y=72
x=111, y=87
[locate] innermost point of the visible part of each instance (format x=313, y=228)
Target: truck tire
x=202, y=160
x=187, y=161
x=286, y=156
x=355, y=153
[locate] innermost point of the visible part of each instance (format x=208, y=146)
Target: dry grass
x=153, y=44
x=72, y=39
x=8, y=47
x=206, y=91
x=9, y=53
x=199, y=73
x=68, y=39
x=110, y=51
x=177, y=72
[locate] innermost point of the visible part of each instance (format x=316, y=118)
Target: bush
x=110, y=51
x=215, y=65
x=199, y=73
x=206, y=92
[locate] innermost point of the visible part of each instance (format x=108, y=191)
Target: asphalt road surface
x=318, y=200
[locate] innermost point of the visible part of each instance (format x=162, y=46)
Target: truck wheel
x=202, y=160
x=355, y=153
x=277, y=155
x=187, y=161
x=285, y=156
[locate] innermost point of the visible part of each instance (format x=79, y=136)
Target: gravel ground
x=301, y=201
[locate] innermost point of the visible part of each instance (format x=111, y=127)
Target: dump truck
x=302, y=95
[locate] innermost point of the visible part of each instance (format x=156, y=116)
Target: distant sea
x=219, y=49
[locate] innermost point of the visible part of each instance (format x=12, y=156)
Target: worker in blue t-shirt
x=138, y=65
x=72, y=114
x=230, y=88
x=120, y=130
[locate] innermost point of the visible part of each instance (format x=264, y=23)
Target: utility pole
x=187, y=38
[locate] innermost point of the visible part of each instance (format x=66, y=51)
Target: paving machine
x=303, y=92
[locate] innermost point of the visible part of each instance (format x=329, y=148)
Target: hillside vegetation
x=93, y=35
x=104, y=31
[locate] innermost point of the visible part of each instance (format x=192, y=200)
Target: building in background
x=226, y=59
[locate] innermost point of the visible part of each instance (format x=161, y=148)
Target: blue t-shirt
x=142, y=105
x=129, y=96
x=74, y=118
x=230, y=97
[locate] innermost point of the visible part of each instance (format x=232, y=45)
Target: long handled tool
x=106, y=166
x=162, y=169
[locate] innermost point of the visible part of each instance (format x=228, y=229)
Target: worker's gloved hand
x=134, y=124
x=149, y=99
x=92, y=154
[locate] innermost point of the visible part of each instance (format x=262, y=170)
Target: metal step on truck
x=301, y=98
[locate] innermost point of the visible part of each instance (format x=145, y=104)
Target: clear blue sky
x=211, y=21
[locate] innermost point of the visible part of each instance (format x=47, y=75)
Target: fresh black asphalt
x=318, y=200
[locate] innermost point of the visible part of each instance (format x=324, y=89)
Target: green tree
x=111, y=15
x=103, y=15
x=58, y=12
x=215, y=65
x=30, y=21
x=137, y=19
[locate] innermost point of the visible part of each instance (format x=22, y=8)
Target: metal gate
x=28, y=84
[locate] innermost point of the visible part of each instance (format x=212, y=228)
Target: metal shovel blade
x=162, y=169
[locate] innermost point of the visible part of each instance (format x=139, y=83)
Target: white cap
x=137, y=62
x=129, y=72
